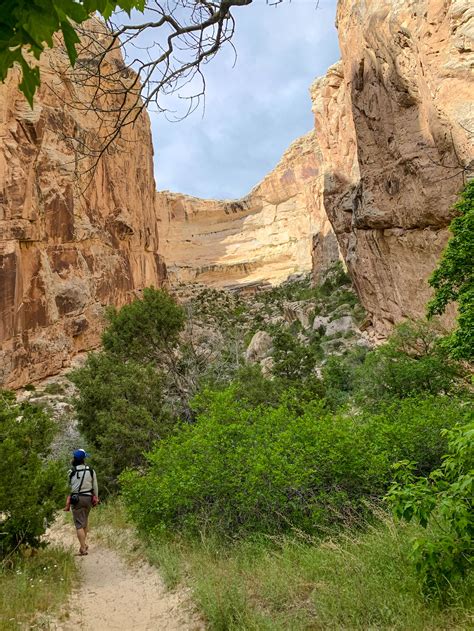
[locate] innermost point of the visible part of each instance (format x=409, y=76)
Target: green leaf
x=30, y=81
x=70, y=9
x=71, y=38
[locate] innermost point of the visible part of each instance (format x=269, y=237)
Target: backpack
x=75, y=496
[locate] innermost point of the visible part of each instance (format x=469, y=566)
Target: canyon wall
x=393, y=145
x=71, y=242
x=395, y=124
x=374, y=182
x=262, y=238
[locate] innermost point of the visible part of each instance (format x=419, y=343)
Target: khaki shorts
x=80, y=512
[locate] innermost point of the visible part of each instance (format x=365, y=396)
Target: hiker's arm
x=95, y=486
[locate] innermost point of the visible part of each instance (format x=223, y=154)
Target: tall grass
x=362, y=581
x=32, y=588
x=359, y=580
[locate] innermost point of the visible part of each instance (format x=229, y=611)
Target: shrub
x=412, y=362
x=443, y=500
x=338, y=376
x=412, y=429
x=239, y=469
x=145, y=328
x=270, y=469
x=292, y=360
x=121, y=411
x=31, y=488
x=252, y=388
x=453, y=280
x=54, y=388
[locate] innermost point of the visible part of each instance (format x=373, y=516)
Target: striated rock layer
x=262, y=238
x=395, y=124
x=69, y=244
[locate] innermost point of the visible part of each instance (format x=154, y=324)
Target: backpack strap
x=82, y=481
x=71, y=473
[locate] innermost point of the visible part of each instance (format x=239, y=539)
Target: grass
x=54, y=388
x=360, y=580
x=34, y=587
x=356, y=582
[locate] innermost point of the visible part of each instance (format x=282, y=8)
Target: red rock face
x=395, y=122
x=69, y=244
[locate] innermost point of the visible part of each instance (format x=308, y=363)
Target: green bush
x=453, y=280
x=412, y=429
x=54, y=388
x=145, y=329
x=270, y=469
x=31, y=487
x=251, y=388
x=411, y=363
x=293, y=360
x=235, y=469
x=443, y=500
x=338, y=376
x=121, y=411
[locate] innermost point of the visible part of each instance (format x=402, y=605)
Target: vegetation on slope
x=298, y=457
x=266, y=485
x=453, y=280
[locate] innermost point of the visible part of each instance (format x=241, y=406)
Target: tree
x=27, y=26
x=145, y=329
x=292, y=360
x=121, y=411
x=31, y=486
x=164, y=52
x=453, y=280
x=127, y=391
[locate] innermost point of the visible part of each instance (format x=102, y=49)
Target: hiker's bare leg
x=86, y=530
x=81, y=535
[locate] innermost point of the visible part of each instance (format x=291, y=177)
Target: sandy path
x=113, y=595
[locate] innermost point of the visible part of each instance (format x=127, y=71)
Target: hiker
x=84, y=495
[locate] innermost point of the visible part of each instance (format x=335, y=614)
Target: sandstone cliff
x=393, y=145
x=395, y=123
x=375, y=181
x=69, y=244
x=261, y=238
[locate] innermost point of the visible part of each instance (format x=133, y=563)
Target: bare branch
x=126, y=67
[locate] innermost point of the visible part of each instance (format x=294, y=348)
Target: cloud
x=254, y=110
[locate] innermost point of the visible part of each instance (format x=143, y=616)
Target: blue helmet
x=80, y=453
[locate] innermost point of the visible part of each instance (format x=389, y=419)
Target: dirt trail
x=113, y=596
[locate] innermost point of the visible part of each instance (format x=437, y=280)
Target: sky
x=254, y=110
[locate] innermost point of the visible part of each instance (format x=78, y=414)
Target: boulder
x=298, y=311
x=340, y=325
x=320, y=321
x=259, y=348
